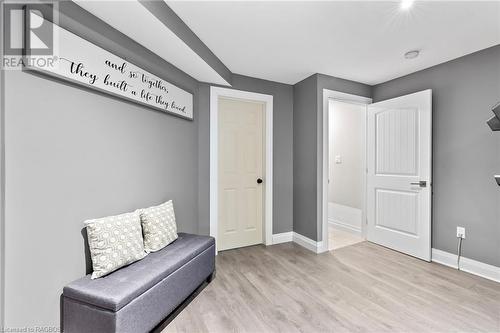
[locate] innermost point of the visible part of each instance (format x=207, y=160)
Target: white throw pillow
x=114, y=242
x=158, y=226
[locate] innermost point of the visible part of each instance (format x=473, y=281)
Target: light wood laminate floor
x=338, y=238
x=358, y=288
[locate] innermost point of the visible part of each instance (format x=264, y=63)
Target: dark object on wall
x=496, y=110
x=494, y=121
x=494, y=124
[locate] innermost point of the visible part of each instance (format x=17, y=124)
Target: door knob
x=421, y=183
x=259, y=181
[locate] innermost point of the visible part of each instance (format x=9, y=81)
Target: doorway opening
x=346, y=174
x=396, y=204
x=344, y=169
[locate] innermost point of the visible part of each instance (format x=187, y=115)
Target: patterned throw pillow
x=158, y=226
x=114, y=242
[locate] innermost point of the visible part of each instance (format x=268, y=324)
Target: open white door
x=399, y=173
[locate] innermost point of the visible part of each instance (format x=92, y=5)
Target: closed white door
x=399, y=173
x=240, y=173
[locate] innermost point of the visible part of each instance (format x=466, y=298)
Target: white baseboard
x=345, y=218
x=283, y=237
x=344, y=227
x=478, y=268
x=312, y=245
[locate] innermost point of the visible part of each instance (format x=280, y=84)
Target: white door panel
x=399, y=157
x=240, y=165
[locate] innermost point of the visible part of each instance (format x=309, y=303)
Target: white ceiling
x=360, y=41
x=134, y=20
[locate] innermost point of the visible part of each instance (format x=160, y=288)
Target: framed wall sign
x=79, y=61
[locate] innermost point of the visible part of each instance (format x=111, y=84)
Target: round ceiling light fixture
x=412, y=54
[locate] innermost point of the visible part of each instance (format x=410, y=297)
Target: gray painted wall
x=282, y=149
x=73, y=154
x=2, y=179
x=305, y=157
x=466, y=152
x=308, y=141
x=342, y=85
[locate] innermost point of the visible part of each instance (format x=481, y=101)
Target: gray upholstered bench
x=138, y=297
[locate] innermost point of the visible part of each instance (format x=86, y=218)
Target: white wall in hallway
x=345, y=218
x=346, y=126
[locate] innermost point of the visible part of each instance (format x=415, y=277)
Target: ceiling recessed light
x=406, y=4
x=412, y=54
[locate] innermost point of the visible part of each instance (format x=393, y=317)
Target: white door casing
x=323, y=159
x=267, y=101
x=240, y=165
x=399, y=158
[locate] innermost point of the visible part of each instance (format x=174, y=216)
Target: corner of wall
x=372, y=93
x=203, y=119
x=305, y=99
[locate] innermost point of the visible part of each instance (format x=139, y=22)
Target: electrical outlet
x=460, y=232
x=338, y=159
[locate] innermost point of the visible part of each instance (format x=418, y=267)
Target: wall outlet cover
x=460, y=232
x=338, y=159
